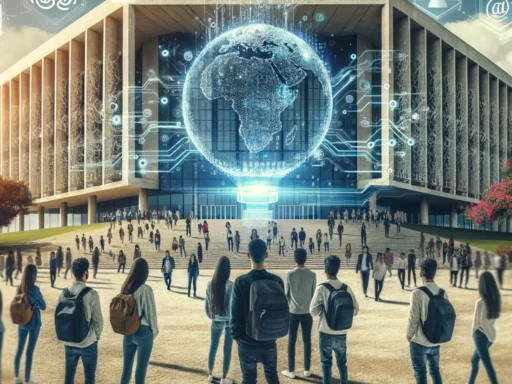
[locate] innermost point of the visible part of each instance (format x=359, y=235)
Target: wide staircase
x=397, y=242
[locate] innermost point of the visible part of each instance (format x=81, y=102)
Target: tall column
x=91, y=209
x=424, y=211
x=63, y=214
x=453, y=216
x=372, y=203
x=495, y=226
x=21, y=222
x=510, y=225
x=40, y=217
x=143, y=200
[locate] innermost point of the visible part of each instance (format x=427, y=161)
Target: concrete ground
x=377, y=348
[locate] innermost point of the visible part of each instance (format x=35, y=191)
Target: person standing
x=282, y=244
x=207, y=240
x=60, y=260
x=331, y=231
x=421, y=348
x=182, y=246
x=167, y=268
x=252, y=351
x=31, y=329
x=311, y=245
x=364, y=264
x=141, y=342
x=218, y=309
x=487, y=311
x=193, y=272
x=121, y=260
x=340, y=232
x=269, y=239
x=69, y=262
x=387, y=225
x=318, y=239
x=77, y=241
x=102, y=243
x=274, y=232
x=478, y=262
x=91, y=248
x=95, y=261
x=188, y=227
x=329, y=339
x=293, y=238
x=363, y=235
x=229, y=238
x=206, y=228
x=19, y=263
x=300, y=288
x=53, y=269
x=140, y=233
x=121, y=234
x=500, y=263
x=402, y=265
x=158, y=239
x=2, y=266
x=302, y=237
x=389, y=260
x=86, y=349
x=487, y=261
x=10, y=266
x=326, y=242
x=199, y=253
x=411, y=267
x=454, y=268
x=84, y=242
x=109, y=237
x=379, y=274
x=439, y=244
x=466, y=264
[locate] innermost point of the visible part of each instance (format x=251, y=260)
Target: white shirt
x=402, y=263
x=379, y=271
x=364, y=267
x=454, y=264
x=320, y=302
x=482, y=323
x=418, y=314
x=167, y=265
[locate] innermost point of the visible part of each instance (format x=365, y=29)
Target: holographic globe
x=257, y=101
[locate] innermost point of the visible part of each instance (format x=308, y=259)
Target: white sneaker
x=291, y=375
x=225, y=381
x=210, y=378
x=307, y=373
x=17, y=380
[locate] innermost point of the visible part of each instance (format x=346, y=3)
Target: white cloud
x=15, y=43
x=484, y=41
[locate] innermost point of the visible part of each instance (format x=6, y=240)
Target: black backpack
x=70, y=323
x=440, y=322
x=268, y=317
x=340, y=313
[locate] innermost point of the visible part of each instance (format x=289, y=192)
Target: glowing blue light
x=371, y=144
x=415, y=116
x=165, y=53
x=116, y=120
x=188, y=56
x=320, y=17
x=353, y=56
x=393, y=104
x=411, y=142
x=392, y=142
x=143, y=163
x=164, y=100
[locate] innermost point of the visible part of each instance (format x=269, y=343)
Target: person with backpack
x=26, y=313
x=53, y=268
x=140, y=342
x=365, y=265
x=69, y=262
x=282, y=245
x=95, y=261
x=193, y=272
x=487, y=310
x=121, y=259
x=168, y=266
x=431, y=323
x=336, y=305
x=79, y=323
x=253, y=294
x=300, y=287
x=218, y=309
x=10, y=263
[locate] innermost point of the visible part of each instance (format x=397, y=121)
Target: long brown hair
x=218, y=286
x=28, y=279
x=138, y=275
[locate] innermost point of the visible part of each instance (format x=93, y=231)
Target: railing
x=218, y=212
x=297, y=212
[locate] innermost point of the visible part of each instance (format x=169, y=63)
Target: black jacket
x=173, y=265
x=369, y=262
x=240, y=304
x=302, y=235
x=411, y=259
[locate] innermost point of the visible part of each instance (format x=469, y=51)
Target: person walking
x=282, y=244
x=19, y=263
x=387, y=225
x=218, y=309
x=84, y=242
x=158, y=239
x=269, y=239
x=69, y=262
x=294, y=238
x=77, y=241
x=389, y=260
x=365, y=265
x=52, y=263
x=193, y=272
x=102, y=243
x=331, y=231
x=454, y=268
x=379, y=274
x=348, y=253
x=466, y=264
x=188, y=227
x=363, y=235
x=174, y=245
x=121, y=234
x=500, y=263
x=229, y=239
x=421, y=348
x=487, y=311
x=95, y=261
x=252, y=351
x=237, y=242
x=60, y=260
x=478, y=262
x=182, y=246
x=207, y=240
x=2, y=266
x=311, y=245
x=411, y=267
x=340, y=232
x=140, y=233
x=318, y=239
x=300, y=288
x=39, y=259
x=199, y=253
x=91, y=246
x=274, y=232
x=167, y=268
x=137, y=253
x=302, y=237
x=121, y=260
x=141, y=342
x=206, y=228
x=109, y=237
x=402, y=266
x=30, y=330
x=439, y=244
x=487, y=260
x=86, y=349
x=326, y=242
x=333, y=340
x=10, y=266
x=130, y=233
x=2, y=330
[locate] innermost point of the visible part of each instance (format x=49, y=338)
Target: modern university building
x=238, y=110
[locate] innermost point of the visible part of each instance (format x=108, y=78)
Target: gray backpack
x=268, y=317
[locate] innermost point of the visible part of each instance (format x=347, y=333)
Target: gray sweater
x=300, y=288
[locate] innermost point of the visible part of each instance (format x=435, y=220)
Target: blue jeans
x=338, y=344
x=216, y=332
x=142, y=343
x=32, y=340
x=230, y=244
x=168, y=279
x=192, y=278
x=89, y=357
x=250, y=356
x=482, y=345
x=419, y=357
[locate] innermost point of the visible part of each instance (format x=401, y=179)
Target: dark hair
x=28, y=279
x=367, y=249
x=379, y=254
x=218, y=286
x=80, y=266
x=300, y=255
x=257, y=250
x=429, y=268
x=138, y=275
x=332, y=265
x=490, y=294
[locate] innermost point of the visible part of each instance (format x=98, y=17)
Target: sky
x=23, y=31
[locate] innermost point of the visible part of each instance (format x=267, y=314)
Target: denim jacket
x=38, y=304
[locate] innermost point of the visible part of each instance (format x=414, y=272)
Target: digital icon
x=437, y=4
x=496, y=15
x=437, y=9
x=55, y=12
